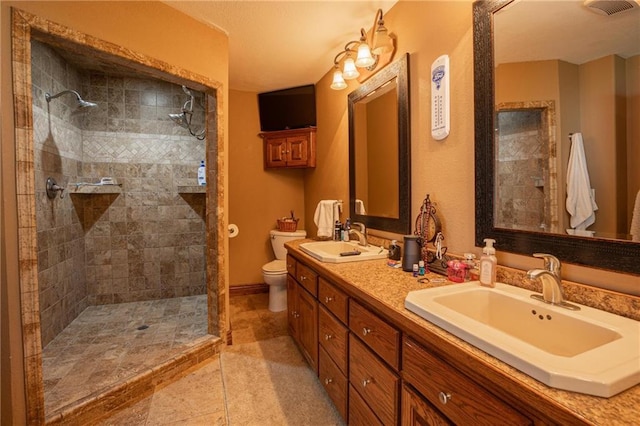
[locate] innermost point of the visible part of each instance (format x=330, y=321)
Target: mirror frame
x=400, y=70
x=615, y=255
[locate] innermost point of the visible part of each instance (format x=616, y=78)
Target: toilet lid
x=275, y=267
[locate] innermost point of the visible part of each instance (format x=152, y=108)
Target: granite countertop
x=385, y=288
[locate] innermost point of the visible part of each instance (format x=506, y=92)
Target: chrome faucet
x=361, y=234
x=551, y=279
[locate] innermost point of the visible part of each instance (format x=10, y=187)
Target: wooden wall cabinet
x=290, y=148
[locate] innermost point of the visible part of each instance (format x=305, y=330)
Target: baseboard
x=243, y=290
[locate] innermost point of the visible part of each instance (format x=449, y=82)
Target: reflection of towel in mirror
x=325, y=216
x=580, y=203
x=635, y=220
x=360, y=207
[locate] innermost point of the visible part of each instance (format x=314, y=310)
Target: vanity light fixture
x=367, y=53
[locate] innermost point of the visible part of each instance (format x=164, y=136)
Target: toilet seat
x=275, y=267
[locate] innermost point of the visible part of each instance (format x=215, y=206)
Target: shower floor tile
x=108, y=343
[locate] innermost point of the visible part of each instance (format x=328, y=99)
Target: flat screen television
x=292, y=108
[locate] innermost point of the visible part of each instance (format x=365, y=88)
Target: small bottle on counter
x=416, y=269
x=395, y=252
x=472, y=269
x=421, y=269
x=488, y=264
x=337, y=231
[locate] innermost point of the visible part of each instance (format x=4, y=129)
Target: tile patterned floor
x=202, y=397
x=108, y=343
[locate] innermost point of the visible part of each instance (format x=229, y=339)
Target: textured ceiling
x=563, y=29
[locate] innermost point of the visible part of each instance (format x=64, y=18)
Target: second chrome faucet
x=551, y=279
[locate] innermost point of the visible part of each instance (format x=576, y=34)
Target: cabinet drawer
x=307, y=278
x=376, y=333
x=455, y=395
x=359, y=412
x=291, y=265
x=333, y=338
x=334, y=382
x=335, y=300
x=374, y=381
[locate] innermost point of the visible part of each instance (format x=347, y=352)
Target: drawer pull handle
x=365, y=382
x=328, y=337
x=328, y=381
x=295, y=314
x=366, y=331
x=444, y=397
x=328, y=299
x=302, y=278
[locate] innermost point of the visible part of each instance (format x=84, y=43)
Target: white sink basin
x=341, y=251
x=588, y=351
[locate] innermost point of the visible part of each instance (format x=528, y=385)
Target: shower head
x=183, y=119
x=180, y=119
x=81, y=102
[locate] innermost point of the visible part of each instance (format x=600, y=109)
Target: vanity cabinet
x=334, y=344
x=302, y=308
x=374, y=356
x=290, y=148
x=456, y=397
x=374, y=373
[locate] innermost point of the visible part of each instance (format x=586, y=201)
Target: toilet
x=274, y=273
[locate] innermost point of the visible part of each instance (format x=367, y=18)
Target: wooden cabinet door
x=308, y=331
x=292, y=307
x=297, y=151
x=416, y=411
x=275, y=152
x=457, y=397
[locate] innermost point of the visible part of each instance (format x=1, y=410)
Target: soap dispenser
x=488, y=264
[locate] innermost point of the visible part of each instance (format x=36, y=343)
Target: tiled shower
x=145, y=241
x=522, y=169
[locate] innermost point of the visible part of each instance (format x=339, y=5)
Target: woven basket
x=287, y=225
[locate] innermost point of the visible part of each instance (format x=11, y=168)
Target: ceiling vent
x=611, y=7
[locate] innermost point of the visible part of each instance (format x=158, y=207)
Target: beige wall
x=257, y=197
x=444, y=169
x=598, y=124
x=149, y=28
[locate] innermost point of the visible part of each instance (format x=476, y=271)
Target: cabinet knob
x=328, y=381
x=302, y=278
x=444, y=397
x=295, y=314
x=328, y=299
x=328, y=337
x=365, y=382
x=366, y=331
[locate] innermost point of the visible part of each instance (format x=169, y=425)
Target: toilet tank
x=278, y=238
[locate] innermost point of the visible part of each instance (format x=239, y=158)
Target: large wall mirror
x=535, y=90
x=379, y=150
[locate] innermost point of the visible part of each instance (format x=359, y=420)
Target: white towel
x=325, y=216
x=580, y=203
x=635, y=220
x=360, y=207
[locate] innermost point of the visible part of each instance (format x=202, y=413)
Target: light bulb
x=338, y=81
x=364, y=58
x=349, y=70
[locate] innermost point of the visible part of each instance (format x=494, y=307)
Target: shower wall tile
x=147, y=242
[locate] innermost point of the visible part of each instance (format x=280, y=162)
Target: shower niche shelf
x=88, y=190
x=192, y=189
